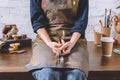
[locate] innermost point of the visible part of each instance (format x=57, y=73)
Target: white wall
x=17, y=12
x=96, y=12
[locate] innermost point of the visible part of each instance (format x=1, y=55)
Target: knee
x=43, y=74
x=76, y=75
x=77, y=71
x=47, y=71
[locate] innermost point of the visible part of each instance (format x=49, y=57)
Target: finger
x=64, y=47
x=66, y=52
x=58, y=45
x=62, y=41
x=55, y=51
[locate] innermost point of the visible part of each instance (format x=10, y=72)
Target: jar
x=4, y=48
x=15, y=37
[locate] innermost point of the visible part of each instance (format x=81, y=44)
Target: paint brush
x=108, y=18
x=101, y=24
x=105, y=21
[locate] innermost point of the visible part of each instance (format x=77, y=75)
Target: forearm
x=75, y=37
x=44, y=35
x=82, y=18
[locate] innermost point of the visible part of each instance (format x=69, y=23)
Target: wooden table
x=12, y=66
x=101, y=68
x=14, y=62
x=100, y=63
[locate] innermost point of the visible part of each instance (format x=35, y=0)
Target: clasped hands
x=64, y=46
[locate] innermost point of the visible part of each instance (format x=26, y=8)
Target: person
x=60, y=49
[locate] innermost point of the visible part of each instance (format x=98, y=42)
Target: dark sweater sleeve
x=81, y=18
x=38, y=18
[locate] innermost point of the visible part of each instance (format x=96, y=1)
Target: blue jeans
x=58, y=74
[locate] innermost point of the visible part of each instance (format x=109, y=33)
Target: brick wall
x=96, y=12
x=17, y=12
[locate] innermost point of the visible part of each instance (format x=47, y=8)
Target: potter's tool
x=58, y=58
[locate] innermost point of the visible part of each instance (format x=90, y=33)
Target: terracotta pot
x=117, y=27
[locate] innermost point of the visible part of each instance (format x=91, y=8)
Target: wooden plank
x=16, y=76
x=99, y=63
x=14, y=62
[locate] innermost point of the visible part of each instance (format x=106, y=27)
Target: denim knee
x=46, y=74
x=47, y=70
x=77, y=72
x=76, y=75
x=43, y=74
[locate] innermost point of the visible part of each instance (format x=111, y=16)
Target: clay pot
x=117, y=27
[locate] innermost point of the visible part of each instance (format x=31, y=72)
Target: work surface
x=15, y=62
x=100, y=63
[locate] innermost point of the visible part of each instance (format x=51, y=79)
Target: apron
x=61, y=15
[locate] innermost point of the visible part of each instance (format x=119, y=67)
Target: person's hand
x=66, y=47
x=55, y=47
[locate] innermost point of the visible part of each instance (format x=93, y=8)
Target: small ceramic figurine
x=9, y=30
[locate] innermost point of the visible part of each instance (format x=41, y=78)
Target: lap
x=44, y=57
x=59, y=74
x=42, y=51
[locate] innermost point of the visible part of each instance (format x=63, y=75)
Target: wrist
x=49, y=43
x=75, y=37
x=72, y=42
